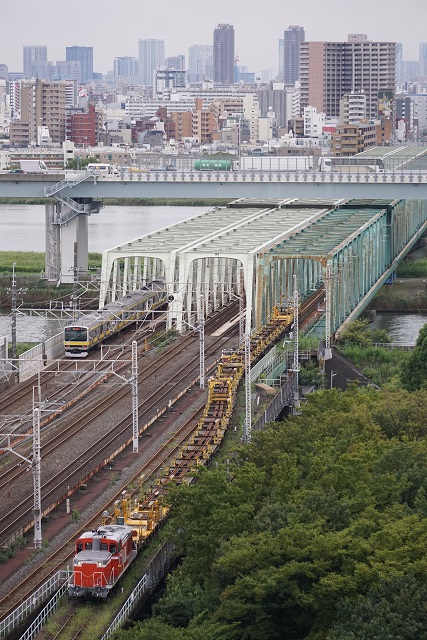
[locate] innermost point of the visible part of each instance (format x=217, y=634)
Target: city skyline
x=256, y=34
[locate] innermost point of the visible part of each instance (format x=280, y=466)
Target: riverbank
x=135, y=202
x=407, y=295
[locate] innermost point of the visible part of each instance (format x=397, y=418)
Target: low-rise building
x=350, y=139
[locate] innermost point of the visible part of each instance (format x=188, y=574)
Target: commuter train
x=91, y=330
x=102, y=557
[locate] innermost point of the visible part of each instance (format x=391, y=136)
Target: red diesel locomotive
x=102, y=556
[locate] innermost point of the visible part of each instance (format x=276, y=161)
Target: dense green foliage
x=411, y=268
x=414, y=368
x=357, y=332
x=386, y=302
x=317, y=525
x=381, y=365
x=80, y=163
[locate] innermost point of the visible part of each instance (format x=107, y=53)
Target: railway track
x=17, y=517
x=62, y=555
x=75, y=471
x=201, y=439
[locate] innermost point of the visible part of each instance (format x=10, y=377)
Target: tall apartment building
x=200, y=62
x=32, y=54
x=84, y=55
x=151, y=55
x=204, y=124
x=175, y=62
x=168, y=80
x=4, y=73
x=223, y=54
x=126, y=69
x=68, y=70
x=42, y=105
x=273, y=98
x=293, y=37
x=329, y=70
x=423, y=61
x=399, y=63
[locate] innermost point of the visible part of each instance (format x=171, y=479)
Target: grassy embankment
x=32, y=289
x=136, y=202
x=408, y=292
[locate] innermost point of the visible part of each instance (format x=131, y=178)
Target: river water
x=22, y=228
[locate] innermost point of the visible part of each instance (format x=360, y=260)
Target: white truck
x=275, y=163
x=33, y=166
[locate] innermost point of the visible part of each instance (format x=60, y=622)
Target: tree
x=318, y=514
x=414, y=369
x=396, y=608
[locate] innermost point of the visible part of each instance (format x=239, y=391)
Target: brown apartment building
x=43, y=104
x=329, y=70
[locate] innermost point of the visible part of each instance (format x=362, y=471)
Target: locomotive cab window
x=104, y=546
x=88, y=546
x=113, y=548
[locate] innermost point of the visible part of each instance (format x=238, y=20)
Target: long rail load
x=143, y=516
x=91, y=330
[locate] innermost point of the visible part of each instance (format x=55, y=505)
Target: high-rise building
x=175, y=62
x=84, y=55
x=281, y=58
x=42, y=106
x=69, y=70
x=4, y=74
x=200, y=65
x=329, y=70
x=423, y=61
x=151, y=55
x=33, y=53
x=167, y=80
x=223, y=54
x=294, y=36
x=126, y=69
x=399, y=63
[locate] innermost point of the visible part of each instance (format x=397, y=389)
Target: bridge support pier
x=67, y=238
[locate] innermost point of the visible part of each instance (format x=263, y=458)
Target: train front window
x=75, y=334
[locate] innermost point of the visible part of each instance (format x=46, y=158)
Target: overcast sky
x=113, y=27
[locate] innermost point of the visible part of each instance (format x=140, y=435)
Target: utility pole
x=296, y=345
x=201, y=329
x=241, y=306
x=134, y=379
x=248, y=412
x=13, y=350
x=37, y=480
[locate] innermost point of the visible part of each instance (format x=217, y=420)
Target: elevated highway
x=399, y=183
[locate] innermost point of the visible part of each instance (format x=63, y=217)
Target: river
x=22, y=228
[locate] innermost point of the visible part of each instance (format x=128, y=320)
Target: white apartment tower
x=200, y=65
x=151, y=55
x=33, y=54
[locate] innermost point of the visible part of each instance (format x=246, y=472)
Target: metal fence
x=26, y=608
x=36, y=358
